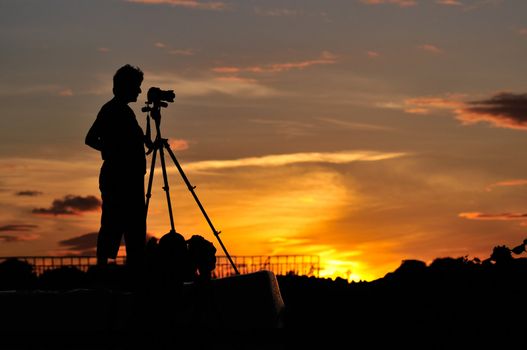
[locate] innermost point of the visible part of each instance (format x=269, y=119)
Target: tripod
x=157, y=146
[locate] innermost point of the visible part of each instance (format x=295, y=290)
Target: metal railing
x=301, y=265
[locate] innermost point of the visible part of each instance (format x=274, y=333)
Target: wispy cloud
x=430, y=48
x=275, y=12
x=34, y=89
x=229, y=85
x=70, y=205
x=449, y=2
x=289, y=128
x=355, y=126
x=400, y=3
x=290, y=12
x=507, y=183
x=173, y=51
x=294, y=158
x=178, y=144
x=294, y=128
x=190, y=4
x=326, y=57
x=373, y=54
x=66, y=92
x=426, y=105
x=495, y=217
x=182, y=52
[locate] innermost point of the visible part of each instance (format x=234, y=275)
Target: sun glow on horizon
x=259, y=216
x=349, y=270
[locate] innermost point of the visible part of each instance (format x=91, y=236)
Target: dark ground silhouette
x=450, y=303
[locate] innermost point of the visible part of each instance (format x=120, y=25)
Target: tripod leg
x=191, y=189
x=166, y=188
x=150, y=179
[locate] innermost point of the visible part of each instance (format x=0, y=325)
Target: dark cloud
x=505, y=109
x=84, y=244
x=70, y=205
x=29, y=193
x=15, y=228
x=9, y=239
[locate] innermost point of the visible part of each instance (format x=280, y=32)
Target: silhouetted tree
x=501, y=255
x=409, y=270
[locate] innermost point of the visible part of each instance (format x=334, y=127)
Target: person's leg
x=135, y=226
x=111, y=230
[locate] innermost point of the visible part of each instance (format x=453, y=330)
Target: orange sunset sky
x=363, y=131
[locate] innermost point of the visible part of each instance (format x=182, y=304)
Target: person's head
x=127, y=83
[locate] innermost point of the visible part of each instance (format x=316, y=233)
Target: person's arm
x=93, y=138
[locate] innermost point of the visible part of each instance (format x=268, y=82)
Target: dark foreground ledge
x=223, y=309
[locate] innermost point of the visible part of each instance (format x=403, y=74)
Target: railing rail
x=302, y=265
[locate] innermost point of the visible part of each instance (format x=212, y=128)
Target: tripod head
x=153, y=109
x=157, y=98
x=149, y=108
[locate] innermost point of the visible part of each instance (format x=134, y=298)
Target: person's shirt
x=118, y=136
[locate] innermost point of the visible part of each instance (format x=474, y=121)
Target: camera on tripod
x=159, y=98
x=156, y=95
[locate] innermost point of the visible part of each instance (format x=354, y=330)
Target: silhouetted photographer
x=121, y=141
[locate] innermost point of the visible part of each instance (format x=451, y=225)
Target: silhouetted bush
x=16, y=274
x=501, y=255
x=62, y=278
x=111, y=276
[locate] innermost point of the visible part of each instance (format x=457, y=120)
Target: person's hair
x=126, y=76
